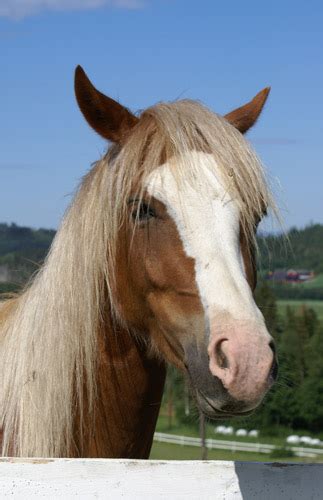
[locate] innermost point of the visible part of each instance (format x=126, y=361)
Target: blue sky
x=144, y=51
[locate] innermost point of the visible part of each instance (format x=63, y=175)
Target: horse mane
x=48, y=335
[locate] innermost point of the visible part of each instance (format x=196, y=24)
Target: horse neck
x=130, y=387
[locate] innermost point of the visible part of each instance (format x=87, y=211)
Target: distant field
x=316, y=305
x=166, y=451
x=181, y=429
x=192, y=430
x=315, y=283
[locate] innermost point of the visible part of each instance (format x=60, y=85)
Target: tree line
x=296, y=401
x=22, y=250
x=299, y=248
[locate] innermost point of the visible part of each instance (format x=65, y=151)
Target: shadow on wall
x=276, y=481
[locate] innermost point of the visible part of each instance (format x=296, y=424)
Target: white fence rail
x=23, y=479
x=221, y=444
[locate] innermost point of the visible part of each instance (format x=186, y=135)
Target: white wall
x=132, y=479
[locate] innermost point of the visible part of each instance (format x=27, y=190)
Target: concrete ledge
x=138, y=479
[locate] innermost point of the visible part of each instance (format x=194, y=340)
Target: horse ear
x=245, y=117
x=107, y=117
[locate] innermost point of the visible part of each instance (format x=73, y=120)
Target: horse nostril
x=222, y=360
x=274, y=367
x=272, y=346
x=273, y=371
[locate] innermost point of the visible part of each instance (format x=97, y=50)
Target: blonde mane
x=48, y=335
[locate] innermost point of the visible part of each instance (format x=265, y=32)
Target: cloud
x=17, y=9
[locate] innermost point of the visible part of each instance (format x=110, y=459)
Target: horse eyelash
x=151, y=213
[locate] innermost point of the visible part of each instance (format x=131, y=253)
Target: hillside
x=303, y=249
x=22, y=250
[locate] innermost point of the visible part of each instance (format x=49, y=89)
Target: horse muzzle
x=242, y=356
x=232, y=373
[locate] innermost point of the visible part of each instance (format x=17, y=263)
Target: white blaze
x=207, y=220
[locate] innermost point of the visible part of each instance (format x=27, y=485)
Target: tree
x=311, y=400
x=203, y=436
x=266, y=302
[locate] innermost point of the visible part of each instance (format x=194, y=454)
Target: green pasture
x=317, y=282
x=167, y=451
x=316, y=305
x=192, y=431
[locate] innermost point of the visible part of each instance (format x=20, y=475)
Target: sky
x=144, y=51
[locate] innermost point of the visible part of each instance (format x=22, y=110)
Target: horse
x=154, y=264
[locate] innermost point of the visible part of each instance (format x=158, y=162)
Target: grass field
x=192, y=431
x=166, y=451
x=316, y=305
x=315, y=283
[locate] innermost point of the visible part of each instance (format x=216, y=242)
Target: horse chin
x=215, y=411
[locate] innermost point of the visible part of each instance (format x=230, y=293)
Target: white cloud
x=16, y=9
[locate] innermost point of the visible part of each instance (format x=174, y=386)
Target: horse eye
x=258, y=219
x=143, y=213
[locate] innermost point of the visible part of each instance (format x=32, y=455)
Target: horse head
x=193, y=193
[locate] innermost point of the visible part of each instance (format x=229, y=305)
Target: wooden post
x=202, y=436
x=170, y=408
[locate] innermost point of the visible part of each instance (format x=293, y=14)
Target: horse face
x=184, y=272
x=189, y=278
